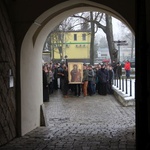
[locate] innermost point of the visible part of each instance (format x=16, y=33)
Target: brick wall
x=7, y=94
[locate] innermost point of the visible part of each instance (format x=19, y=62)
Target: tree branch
x=99, y=25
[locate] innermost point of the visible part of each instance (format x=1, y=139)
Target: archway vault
x=31, y=55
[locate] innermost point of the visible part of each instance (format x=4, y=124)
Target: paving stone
x=95, y=123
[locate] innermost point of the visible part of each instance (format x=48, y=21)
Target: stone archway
x=31, y=56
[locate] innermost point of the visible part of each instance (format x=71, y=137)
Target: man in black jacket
x=45, y=86
x=103, y=80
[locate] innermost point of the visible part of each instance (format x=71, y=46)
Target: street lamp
x=120, y=43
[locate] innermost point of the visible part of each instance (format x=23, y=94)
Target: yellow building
x=74, y=44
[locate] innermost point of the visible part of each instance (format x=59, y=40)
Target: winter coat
x=119, y=71
x=127, y=66
x=49, y=77
x=85, y=75
x=90, y=75
x=103, y=76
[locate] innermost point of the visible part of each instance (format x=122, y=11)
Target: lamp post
x=66, y=60
x=120, y=43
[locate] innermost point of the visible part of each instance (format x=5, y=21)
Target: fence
x=126, y=86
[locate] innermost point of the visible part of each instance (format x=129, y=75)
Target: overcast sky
x=117, y=30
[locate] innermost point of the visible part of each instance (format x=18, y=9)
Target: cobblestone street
x=77, y=123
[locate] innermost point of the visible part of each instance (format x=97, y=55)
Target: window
x=83, y=37
x=75, y=37
x=103, y=54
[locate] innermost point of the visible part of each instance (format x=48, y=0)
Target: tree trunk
x=110, y=39
x=92, y=40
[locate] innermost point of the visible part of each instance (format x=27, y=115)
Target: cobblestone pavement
x=76, y=123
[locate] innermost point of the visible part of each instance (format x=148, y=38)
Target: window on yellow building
x=83, y=37
x=75, y=37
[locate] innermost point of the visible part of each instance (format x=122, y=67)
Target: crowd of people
x=96, y=79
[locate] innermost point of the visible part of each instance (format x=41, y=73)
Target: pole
x=120, y=43
x=119, y=52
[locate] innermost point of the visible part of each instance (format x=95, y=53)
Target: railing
x=126, y=86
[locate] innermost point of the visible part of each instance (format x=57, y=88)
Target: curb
x=124, y=100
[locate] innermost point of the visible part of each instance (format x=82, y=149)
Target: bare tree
x=103, y=21
x=108, y=30
x=92, y=39
x=95, y=20
x=56, y=39
x=87, y=18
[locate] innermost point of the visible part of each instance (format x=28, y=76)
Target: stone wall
x=7, y=93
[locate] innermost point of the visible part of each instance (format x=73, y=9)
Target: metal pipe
x=126, y=87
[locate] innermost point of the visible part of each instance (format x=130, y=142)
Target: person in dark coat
x=118, y=71
x=55, y=76
x=45, y=85
x=90, y=80
x=114, y=66
x=97, y=80
x=50, y=80
x=59, y=75
x=110, y=79
x=103, y=79
x=65, y=81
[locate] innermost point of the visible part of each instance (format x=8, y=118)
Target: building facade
x=70, y=44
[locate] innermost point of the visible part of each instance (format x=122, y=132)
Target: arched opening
x=31, y=56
